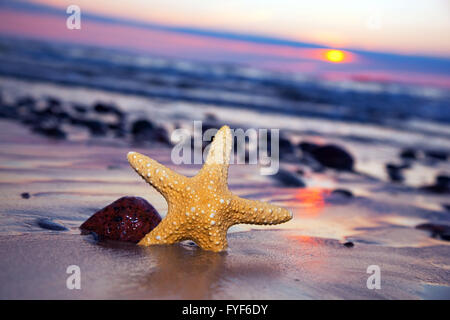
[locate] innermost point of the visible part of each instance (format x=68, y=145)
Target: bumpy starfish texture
x=201, y=208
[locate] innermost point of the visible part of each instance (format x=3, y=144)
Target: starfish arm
x=215, y=240
x=218, y=158
x=164, y=180
x=257, y=212
x=165, y=233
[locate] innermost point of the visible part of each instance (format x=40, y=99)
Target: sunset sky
x=392, y=39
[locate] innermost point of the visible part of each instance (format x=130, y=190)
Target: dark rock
x=288, y=179
x=105, y=108
x=339, y=196
x=145, y=131
x=443, y=180
x=26, y=101
x=30, y=120
x=442, y=185
x=56, y=111
x=79, y=108
x=95, y=127
x=142, y=128
x=395, y=172
x=101, y=107
x=51, y=131
x=445, y=236
x=161, y=135
x=63, y=115
x=120, y=133
x=434, y=188
x=8, y=112
x=118, y=128
x=349, y=244
x=332, y=156
x=53, y=102
x=342, y=193
x=436, y=155
x=210, y=117
x=52, y=110
x=446, y=207
x=307, y=146
x=408, y=154
x=25, y=195
x=49, y=224
x=126, y=219
x=436, y=230
x=285, y=146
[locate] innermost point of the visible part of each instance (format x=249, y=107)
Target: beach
x=322, y=253
x=334, y=118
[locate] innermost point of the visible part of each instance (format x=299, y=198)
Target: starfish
x=202, y=208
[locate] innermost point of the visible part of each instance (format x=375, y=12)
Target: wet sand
x=271, y=264
x=303, y=259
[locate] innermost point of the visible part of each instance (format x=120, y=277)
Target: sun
x=335, y=55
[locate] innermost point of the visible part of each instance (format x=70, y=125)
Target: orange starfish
x=201, y=208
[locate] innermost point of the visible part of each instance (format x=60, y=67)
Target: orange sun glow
x=335, y=55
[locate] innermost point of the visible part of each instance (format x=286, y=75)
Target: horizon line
x=211, y=33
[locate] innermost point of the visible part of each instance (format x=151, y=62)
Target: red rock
x=126, y=219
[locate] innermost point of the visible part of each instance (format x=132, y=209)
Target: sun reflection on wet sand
x=304, y=239
x=311, y=201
